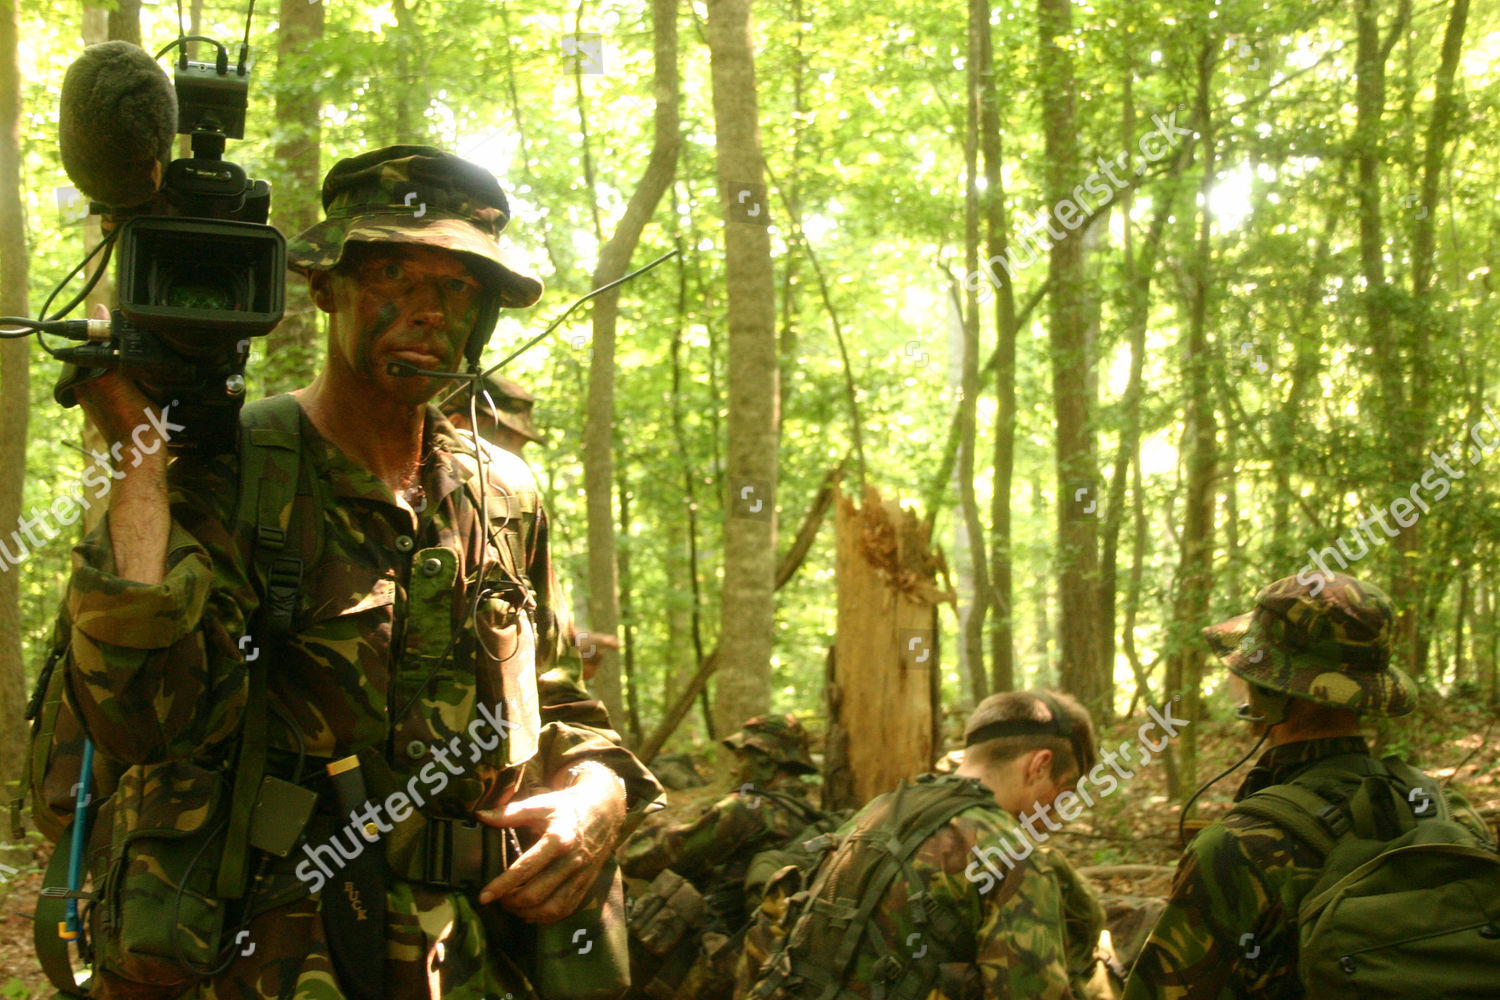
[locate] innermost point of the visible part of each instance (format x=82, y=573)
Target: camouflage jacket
x=1230, y=927
x=383, y=654
x=1017, y=936
x=714, y=851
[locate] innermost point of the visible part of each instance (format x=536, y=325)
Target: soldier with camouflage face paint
x=413, y=627
x=1316, y=656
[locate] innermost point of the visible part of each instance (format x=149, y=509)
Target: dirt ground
x=1127, y=843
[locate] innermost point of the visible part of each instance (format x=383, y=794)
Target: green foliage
x=862, y=114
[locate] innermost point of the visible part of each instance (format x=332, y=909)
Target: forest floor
x=1127, y=842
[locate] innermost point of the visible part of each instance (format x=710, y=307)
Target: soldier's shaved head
x=1071, y=753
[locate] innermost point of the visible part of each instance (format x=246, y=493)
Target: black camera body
x=199, y=271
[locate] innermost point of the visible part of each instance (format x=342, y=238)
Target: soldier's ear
x=320, y=287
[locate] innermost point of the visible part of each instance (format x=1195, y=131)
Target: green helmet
x=423, y=195
x=1326, y=639
x=780, y=737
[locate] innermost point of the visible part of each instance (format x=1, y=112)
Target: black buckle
x=453, y=853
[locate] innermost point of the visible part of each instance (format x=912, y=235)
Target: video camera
x=200, y=272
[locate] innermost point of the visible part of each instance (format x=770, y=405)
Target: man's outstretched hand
x=578, y=828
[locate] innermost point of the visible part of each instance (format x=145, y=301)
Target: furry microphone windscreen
x=116, y=119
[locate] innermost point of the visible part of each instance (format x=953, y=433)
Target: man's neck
x=381, y=434
x=1282, y=735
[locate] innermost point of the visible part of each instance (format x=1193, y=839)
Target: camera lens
x=198, y=287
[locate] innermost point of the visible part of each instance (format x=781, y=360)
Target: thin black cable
x=107, y=245
x=1182, y=816
x=557, y=322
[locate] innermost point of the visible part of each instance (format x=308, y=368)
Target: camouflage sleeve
x=1223, y=929
x=1022, y=941
x=1083, y=917
x=155, y=671
x=692, y=850
x=582, y=727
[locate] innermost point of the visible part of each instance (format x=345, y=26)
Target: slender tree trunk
x=295, y=201
x=1195, y=569
x=973, y=621
x=410, y=92
x=95, y=30
x=125, y=22
x=598, y=432
x=15, y=400
x=1402, y=432
x=627, y=621
x=744, y=687
x=1077, y=472
x=997, y=236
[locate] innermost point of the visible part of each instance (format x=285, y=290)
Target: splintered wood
x=883, y=678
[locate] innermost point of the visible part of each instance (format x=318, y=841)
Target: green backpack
x=1408, y=903
x=828, y=924
x=162, y=877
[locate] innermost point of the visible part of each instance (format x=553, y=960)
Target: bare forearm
x=140, y=521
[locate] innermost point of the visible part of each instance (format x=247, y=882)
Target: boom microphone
x=116, y=118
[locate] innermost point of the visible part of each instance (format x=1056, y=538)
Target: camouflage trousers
x=436, y=946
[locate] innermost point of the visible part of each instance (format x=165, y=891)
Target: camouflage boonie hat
x=781, y=737
x=503, y=401
x=1326, y=639
x=414, y=194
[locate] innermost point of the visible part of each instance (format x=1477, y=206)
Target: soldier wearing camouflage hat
x=768, y=808
x=412, y=641
x=1312, y=658
x=503, y=411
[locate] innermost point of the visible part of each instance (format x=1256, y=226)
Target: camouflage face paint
x=385, y=318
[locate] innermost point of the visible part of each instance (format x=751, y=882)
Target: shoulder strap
x=801, y=808
x=937, y=803
x=272, y=474
x=1299, y=811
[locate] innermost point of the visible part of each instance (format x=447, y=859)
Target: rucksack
x=157, y=914
x=829, y=924
x=1408, y=902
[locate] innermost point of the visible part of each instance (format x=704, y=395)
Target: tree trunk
x=1402, y=432
x=880, y=719
x=410, y=91
x=997, y=244
x=1077, y=473
x=295, y=201
x=599, y=423
x=125, y=22
x=968, y=400
x=1195, y=568
x=632, y=733
x=15, y=400
x=745, y=635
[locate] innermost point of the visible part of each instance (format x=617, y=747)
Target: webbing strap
x=268, y=492
x=46, y=927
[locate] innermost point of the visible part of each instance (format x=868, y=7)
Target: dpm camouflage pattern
x=780, y=737
x=1229, y=931
x=383, y=655
x=1022, y=939
x=714, y=851
x=414, y=194
x=1323, y=638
